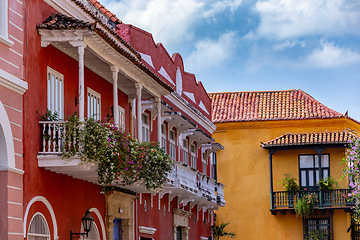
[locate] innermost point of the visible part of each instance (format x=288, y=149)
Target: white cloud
x=288, y=44
x=211, y=53
x=221, y=6
x=170, y=21
x=282, y=19
x=329, y=55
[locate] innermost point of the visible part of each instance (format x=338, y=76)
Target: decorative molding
x=191, y=96
x=202, y=106
x=13, y=83
x=10, y=169
x=163, y=72
x=147, y=230
x=180, y=212
x=98, y=214
x=49, y=207
x=147, y=59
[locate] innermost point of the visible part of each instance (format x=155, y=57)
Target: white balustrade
x=207, y=187
x=186, y=177
x=220, y=194
x=52, y=136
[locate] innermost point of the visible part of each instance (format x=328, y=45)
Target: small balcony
x=186, y=179
x=327, y=199
x=220, y=194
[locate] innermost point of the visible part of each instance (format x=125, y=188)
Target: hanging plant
x=305, y=205
x=119, y=156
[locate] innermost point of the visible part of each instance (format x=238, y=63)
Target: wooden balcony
x=326, y=199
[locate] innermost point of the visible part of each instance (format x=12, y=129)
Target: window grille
x=55, y=92
x=318, y=226
x=94, y=104
x=38, y=229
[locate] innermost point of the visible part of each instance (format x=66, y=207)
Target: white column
x=115, y=72
x=138, y=110
x=158, y=107
x=81, y=50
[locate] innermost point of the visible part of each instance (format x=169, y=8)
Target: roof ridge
x=265, y=91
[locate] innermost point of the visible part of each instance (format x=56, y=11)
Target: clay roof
x=60, y=21
x=313, y=138
x=106, y=12
x=267, y=106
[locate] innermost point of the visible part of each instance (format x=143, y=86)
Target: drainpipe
x=158, y=107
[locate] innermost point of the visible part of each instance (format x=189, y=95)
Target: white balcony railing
x=220, y=194
x=207, y=187
x=186, y=177
x=52, y=136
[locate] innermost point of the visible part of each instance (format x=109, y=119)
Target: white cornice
x=193, y=113
x=69, y=8
x=147, y=230
x=11, y=82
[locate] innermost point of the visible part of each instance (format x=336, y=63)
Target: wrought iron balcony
x=332, y=198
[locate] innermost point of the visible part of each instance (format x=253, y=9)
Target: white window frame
x=55, y=92
x=93, y=111
x=204, y=163
x=193, y=155
x=145, y=119
x=172, y=145
x=46, y=235
x=163, y=137
x=185, y=151
x=121, y=115
x=4, y=23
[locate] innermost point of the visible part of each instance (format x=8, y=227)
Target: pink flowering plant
x=120, y=157
x=352, y=172
x=305, y=205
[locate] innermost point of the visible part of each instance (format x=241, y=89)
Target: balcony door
x=309, y=170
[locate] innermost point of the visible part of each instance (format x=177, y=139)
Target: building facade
x=267, y=135
x=82, y=59
x=12, y=89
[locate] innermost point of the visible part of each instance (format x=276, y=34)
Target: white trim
x=15, y=203
x=49, y=207
x=163, y=72
x=12, y=50
x=10, y=169
x=147, y=59
x=147, y=230
x=17, y=188
x=97, y=112
x=15, y=218
x=16, y=26
x=15, y=12
x=12, y=108
x=98, y=214
x=6, y=41
x=4, y=23
x=10, y=63
x=17, y=40
x=202, y=106
x=190, y=95
x=7, y=152
x=13, y=83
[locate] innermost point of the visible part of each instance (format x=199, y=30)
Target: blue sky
x=259, y=45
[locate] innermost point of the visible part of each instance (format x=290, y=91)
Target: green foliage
x=305, y=205
x=316, y=234
x=219, y=231
x=48, y=116
x=289, y=183
x=327, y=183
x=120, y=157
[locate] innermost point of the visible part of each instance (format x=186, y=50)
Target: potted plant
x=316, y=234
x=290, y=185
x=328, y=183
x=305, y=205
x=218, y=231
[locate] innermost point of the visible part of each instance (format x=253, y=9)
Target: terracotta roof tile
x=314, y=138
x=60, y=21
x=265, y=106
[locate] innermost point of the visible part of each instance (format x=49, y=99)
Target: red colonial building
x=81, y=58
x=12, y=89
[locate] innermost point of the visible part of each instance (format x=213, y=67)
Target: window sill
x=6, y=41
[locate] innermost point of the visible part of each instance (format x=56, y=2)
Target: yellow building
x=267, y=135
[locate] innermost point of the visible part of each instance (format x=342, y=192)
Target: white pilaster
x=158, y=107
x=115, y=72
x=138, y=110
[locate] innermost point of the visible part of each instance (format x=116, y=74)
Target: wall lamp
x=87, y=221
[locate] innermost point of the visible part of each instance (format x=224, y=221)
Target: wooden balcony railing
x=326, y=198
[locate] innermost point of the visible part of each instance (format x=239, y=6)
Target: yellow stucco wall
x=244, y=169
